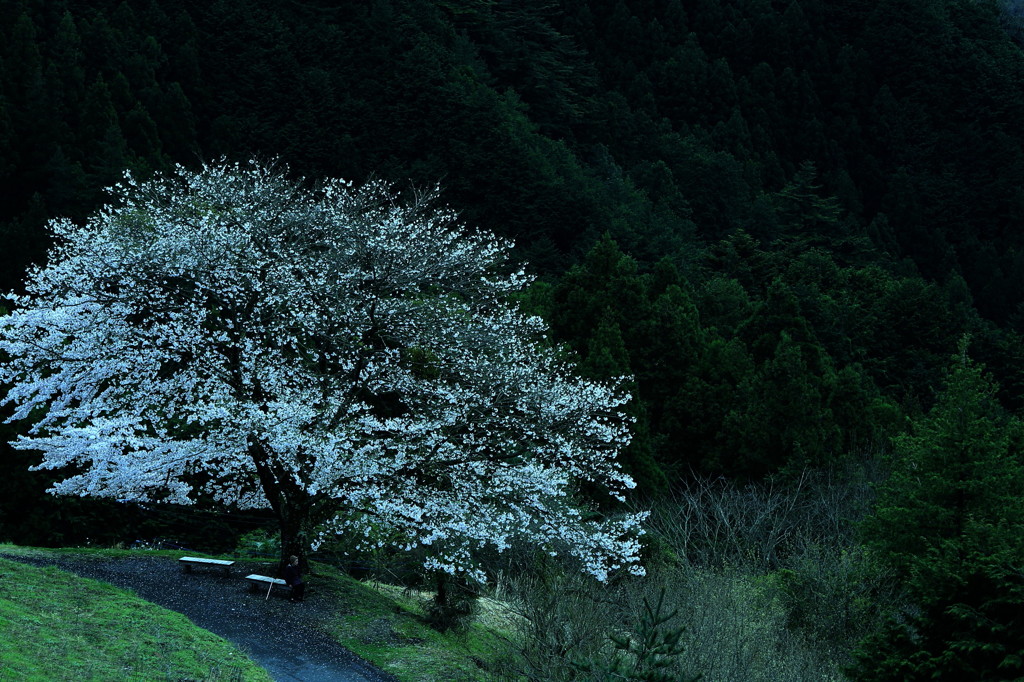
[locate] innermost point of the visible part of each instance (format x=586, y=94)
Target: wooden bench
x=258, y=583
x=187, y=562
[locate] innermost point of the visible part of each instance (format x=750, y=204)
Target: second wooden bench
x=263, y=582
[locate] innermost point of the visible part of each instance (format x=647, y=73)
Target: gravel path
x=285, y=638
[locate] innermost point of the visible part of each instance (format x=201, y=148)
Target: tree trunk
x=294, y=537
x=291, y=505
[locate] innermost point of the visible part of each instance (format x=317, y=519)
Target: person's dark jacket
x=292, y=576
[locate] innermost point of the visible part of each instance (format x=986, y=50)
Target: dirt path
x=285, y=638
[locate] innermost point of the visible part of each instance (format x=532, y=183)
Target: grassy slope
x=384, y=624
x=381, y=623
x=57, y=626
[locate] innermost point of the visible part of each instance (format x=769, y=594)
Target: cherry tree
x=346, y=356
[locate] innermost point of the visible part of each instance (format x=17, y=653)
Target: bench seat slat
x=201, y=560
x=264, y=579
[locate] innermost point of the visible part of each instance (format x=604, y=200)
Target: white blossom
x=339, y=353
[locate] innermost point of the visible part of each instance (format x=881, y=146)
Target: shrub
x=259, y=543
x=454, y=603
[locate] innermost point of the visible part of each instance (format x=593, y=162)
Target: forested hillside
x=780, y=218
x=729, y=200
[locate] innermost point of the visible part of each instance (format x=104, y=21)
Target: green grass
x=384, y=624
x=51, y=620
x=57, y=626
x=101, y=552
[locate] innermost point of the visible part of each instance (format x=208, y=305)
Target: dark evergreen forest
x=796, y=224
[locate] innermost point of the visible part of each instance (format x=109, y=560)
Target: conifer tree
x=950, y=519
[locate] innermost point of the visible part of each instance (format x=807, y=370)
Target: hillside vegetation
x=794, y=225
